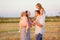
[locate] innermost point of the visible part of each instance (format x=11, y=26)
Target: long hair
x=39, y=5
x=26, y=13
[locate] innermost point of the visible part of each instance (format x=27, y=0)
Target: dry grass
x=9, y=31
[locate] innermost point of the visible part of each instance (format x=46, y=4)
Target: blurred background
x=10, y=13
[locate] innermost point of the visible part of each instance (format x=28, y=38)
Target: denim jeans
x=28, y=35
x=38, y=36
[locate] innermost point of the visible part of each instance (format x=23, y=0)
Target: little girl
x=23, y=21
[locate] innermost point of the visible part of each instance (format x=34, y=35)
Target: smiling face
x=37, y=13
x=37, y=7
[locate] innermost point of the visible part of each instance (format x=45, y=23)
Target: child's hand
x=34, y=22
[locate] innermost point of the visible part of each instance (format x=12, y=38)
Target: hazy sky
x=13, y=8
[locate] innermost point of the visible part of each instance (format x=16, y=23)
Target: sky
x=13, y=8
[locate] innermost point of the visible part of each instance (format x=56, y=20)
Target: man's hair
x=37, y=11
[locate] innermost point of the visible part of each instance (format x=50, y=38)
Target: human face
x=36, y=14
x=37, y=7
x=29, y=14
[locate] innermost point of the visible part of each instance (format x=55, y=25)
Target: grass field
x=9, y=31
x=16, y=20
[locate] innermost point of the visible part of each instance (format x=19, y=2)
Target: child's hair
x=22, y=14
x=37, y=11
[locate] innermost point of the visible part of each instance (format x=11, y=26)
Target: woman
x=29, y=25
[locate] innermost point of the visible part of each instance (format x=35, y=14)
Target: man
x=39, y=24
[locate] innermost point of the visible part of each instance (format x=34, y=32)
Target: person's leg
x=28, y=35
x=36, y=37
x=23, y=34
x=39, y=37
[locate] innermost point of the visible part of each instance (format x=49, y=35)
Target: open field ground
x=16, y=20
x=9, y=29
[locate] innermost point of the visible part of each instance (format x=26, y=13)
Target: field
x=9, y=29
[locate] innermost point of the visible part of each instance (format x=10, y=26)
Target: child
x=23, y=21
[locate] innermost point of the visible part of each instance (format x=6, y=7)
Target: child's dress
x=23, y=23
